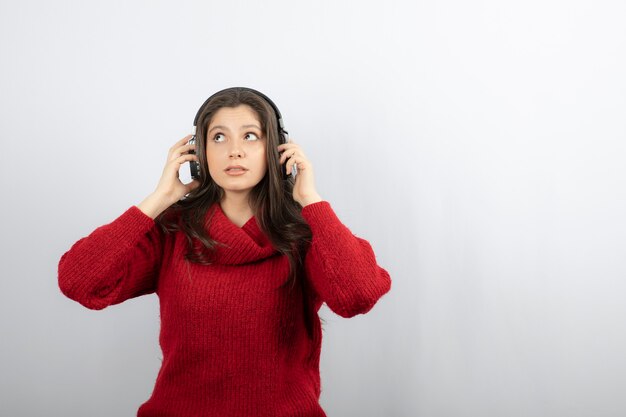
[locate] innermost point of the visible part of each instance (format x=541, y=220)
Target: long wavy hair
x=277, y=213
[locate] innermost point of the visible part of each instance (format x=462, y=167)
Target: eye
x=219, y=135
x=251, y=136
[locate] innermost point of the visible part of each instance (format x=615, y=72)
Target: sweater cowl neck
x=244, y=244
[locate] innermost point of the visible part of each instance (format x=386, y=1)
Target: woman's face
x=234, y=137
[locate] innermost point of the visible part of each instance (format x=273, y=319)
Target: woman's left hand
x=304, y=192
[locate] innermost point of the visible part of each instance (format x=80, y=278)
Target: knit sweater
x=234, y=341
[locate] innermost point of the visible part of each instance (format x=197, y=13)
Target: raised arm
x=121, y=260
x=340, y=266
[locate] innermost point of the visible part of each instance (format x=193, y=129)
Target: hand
x=304, y=192
x=170, y=186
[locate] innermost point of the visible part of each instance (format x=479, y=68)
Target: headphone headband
x=260, y=94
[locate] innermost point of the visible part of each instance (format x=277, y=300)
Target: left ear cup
x=283, y=139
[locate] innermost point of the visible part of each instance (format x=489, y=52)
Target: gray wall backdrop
x=479, y=147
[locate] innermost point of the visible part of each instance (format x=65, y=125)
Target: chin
x=237, y=187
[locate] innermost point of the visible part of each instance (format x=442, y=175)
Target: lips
x=236, y=167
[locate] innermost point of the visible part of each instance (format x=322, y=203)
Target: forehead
x=242, y=114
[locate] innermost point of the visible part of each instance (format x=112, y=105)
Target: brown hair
x=277, y=213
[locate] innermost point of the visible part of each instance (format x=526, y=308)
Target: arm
x=117, y=261
x=121, y=260
x=340, y=266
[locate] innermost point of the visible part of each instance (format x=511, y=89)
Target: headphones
x=283, y=135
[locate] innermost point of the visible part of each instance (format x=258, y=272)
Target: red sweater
x=233, y=343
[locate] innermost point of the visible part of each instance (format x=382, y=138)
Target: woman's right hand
x=170, y=188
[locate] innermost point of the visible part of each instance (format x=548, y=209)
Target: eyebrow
x=225, y=128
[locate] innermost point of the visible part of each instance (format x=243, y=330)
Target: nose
x=236, y=152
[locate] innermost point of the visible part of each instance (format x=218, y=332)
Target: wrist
x=311, y=200
x=154, y=204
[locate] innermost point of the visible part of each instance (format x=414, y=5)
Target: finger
x=184, y=158
x=290, y=151
x=295, y=160
x=187, y=157
x=182, y=150
x=186, y=148
x=284, y=146
x=181, y=141
x=290, y=154
x=172, y=169
x=288, y=167
x=285, y=156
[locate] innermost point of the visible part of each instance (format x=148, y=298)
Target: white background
x=478, y=146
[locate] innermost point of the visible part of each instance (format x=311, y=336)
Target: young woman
x=241, y=258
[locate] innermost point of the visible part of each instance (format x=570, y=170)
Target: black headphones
x=283, y=135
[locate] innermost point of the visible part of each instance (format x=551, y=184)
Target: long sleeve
x=117, y=261
x=340, y=266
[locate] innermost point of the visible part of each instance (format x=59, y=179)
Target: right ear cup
x=194, y=166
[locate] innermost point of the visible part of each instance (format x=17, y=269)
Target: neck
x=236, y=206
